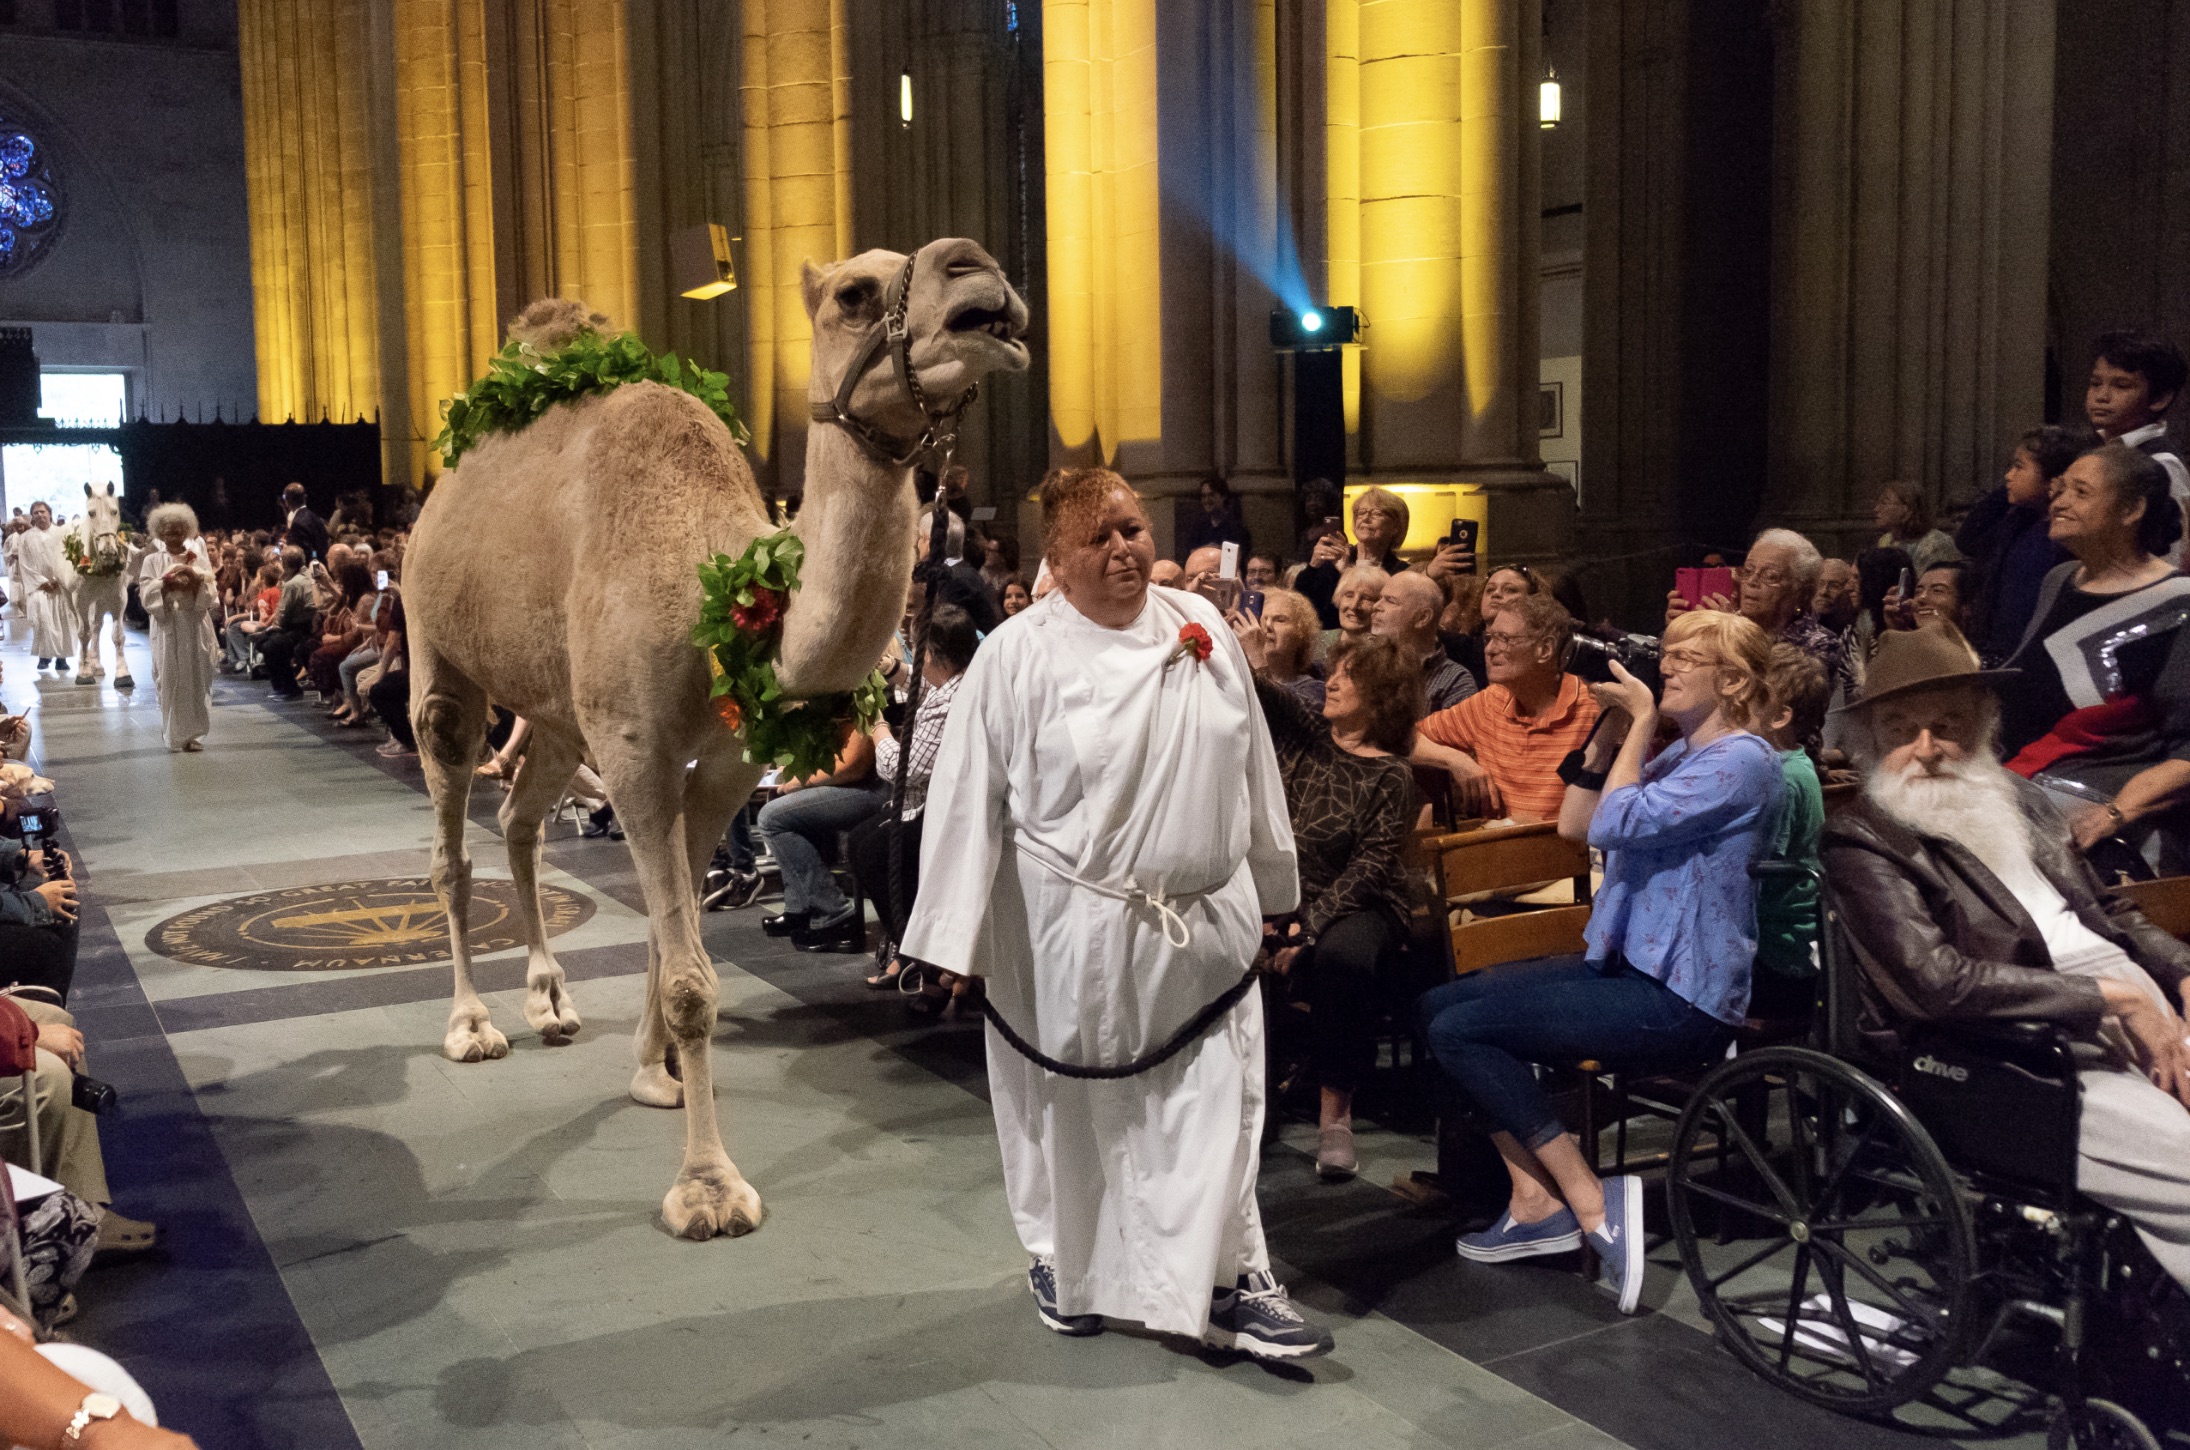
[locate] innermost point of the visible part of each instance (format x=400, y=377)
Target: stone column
x=1449, y=259
x=795, y=90
x=1910, y=248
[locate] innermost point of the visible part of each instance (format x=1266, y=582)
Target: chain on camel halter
x=939, y=441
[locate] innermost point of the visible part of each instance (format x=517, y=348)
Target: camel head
x=962, y=318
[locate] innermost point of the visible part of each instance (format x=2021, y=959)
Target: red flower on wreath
x=727, y=711
x=761, y=615
x=1194, y=641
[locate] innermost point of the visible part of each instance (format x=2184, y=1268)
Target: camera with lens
x=35, y=820
x=1596, y=647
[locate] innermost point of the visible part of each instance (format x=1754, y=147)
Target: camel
x=555, y=572
x=99, y=597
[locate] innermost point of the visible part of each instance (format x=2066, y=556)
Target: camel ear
x=813, y=281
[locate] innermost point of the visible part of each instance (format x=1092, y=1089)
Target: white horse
x=100, y=593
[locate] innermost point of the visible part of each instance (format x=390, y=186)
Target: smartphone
x=1908, y=587
x=1229, y=568
x=1462, y=536
x=1251, y=601
x=1697, y=585
x=380, y=579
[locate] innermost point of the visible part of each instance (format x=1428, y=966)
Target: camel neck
x=857, y=526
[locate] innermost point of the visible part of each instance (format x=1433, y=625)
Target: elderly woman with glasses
x=1671, y=939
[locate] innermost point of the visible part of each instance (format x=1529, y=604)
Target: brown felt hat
x=1932, y=657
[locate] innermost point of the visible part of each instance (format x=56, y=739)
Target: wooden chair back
x=2165, y=902
x=1501, y=858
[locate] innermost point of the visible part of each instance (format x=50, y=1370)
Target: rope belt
x=1174, y=931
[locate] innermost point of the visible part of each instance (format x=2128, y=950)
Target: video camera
x=1597, y=646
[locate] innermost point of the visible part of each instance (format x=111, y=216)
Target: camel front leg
x=709, y=1195
x=542, y=774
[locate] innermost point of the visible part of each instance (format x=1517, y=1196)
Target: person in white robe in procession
x=1106, y=829
x=47, y=574
x=11, y=552
x=176, y=586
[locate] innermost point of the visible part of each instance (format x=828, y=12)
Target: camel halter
x=939, y=441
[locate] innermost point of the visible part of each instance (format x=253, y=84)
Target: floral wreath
x=741, y=628
x=104, y=561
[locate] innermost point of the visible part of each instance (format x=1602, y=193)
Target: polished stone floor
x=365, y=1244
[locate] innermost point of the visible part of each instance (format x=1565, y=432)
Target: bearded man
x=1964, y=900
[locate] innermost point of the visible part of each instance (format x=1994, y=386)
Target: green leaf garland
x=522, y=383
x=741, y=627
x=105, y=562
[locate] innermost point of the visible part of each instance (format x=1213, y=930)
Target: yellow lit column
x=314, y=278
x=1449, y=260
x=1342, y=181
x=448, y=207
x=587, y=123
x=795, y=92
x=1105, y=245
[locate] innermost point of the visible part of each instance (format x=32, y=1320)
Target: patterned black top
x=1351, y=815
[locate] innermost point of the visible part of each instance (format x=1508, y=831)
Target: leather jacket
x=1936, y=937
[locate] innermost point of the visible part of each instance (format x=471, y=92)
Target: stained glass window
x=29, y=208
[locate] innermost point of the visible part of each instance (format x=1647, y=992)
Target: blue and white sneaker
x=1042, y=1283
x=1619, y=1244
x=1506, y=1240
x=1257, y=1317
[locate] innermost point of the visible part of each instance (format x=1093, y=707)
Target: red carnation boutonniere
x=1194, y=642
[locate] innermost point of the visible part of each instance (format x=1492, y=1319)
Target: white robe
x=11, y=549
x=1080, y=744
x=52, y=615
x=182, y=655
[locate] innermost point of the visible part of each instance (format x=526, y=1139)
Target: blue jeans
x=1488, y=1027
x=801, y=826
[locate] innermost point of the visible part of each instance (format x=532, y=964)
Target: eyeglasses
x=1681, y=661
x=1501, y=639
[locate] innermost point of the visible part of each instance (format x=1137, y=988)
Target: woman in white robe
x=1085, y=764
x=175, y=585
x=47, y=575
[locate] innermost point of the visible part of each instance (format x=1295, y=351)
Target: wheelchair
x=1855, y=1230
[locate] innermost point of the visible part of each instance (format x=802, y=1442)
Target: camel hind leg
x=543, y=772
x=449, y=715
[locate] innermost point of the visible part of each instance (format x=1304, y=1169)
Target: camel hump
x=552, y=322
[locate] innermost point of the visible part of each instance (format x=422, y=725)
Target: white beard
x=1970, y=802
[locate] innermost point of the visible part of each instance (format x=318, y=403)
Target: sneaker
x=1257, y=1317
x=1335, y=1161
x=1042, y=1284
x=1619, y=1244
x=1507, y=1239
x=743, y=890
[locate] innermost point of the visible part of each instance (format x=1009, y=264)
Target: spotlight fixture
x=699, y=261
x=1314, y=328
x=1548, y=100
x=904, y=98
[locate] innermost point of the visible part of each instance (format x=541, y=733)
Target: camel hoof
x=702, y=1204
x=124, y=682
x=548, y=1012
x=478, y=1041
x=653, y=1086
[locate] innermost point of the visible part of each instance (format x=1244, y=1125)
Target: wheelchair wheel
x=2099, y=1425
x=1848, y=1280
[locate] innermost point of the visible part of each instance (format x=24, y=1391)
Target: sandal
x=887, y=978
x=495, y=769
